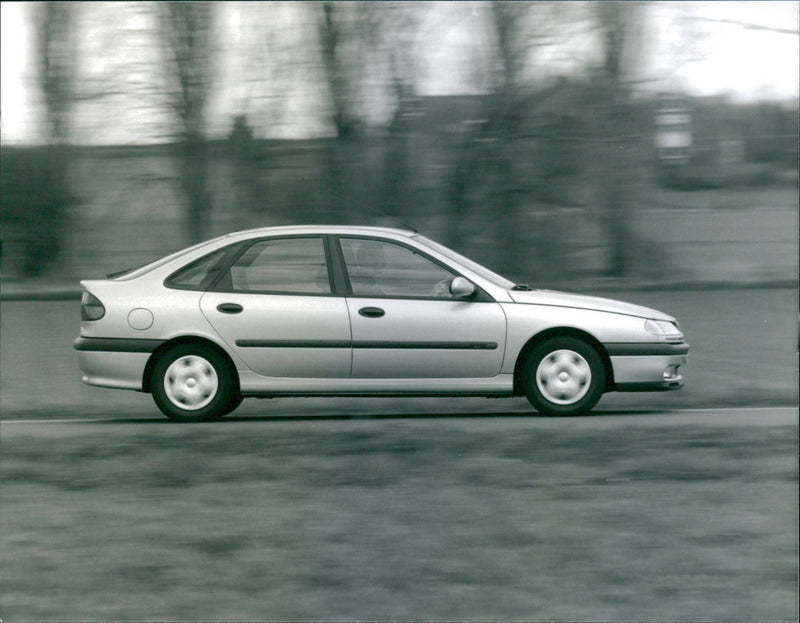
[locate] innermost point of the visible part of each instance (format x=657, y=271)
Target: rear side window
x=201, y=273
x=283, y=266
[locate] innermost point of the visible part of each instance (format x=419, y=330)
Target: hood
x=579, y=301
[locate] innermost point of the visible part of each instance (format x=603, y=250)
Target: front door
x=406, y=324
x=277, y=311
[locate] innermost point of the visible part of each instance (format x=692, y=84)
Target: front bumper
x=648, y=367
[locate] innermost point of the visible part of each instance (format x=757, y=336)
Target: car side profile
x=359, y=311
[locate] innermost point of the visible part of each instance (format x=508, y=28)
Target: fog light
x=671, y=373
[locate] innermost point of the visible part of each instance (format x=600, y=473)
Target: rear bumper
x=114, y=363
x=115, y=370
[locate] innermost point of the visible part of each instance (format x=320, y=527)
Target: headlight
x=669, y=331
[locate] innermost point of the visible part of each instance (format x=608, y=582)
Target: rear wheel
x=564, y=376
x=192, y=382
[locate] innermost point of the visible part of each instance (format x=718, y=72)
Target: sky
x=720, y=56
x=737, y=49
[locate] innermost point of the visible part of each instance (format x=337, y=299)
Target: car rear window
x=201, y=273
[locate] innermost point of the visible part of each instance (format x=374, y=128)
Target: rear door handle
x=230, y=308
x=371, y=312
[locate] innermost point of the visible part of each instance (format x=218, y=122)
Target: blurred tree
x=333, y=33
x=488, y=155
x=367, y=53
x=265, y=57
x=346, y=161
x=504, y=119
x=245, y=156
x=48, y=199
x=616, y=23
x=241, y=138
x=185, y=37
x=548, y=141
x=389, y=28
x=267, y=60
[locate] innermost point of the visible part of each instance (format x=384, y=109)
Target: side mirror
x=461, y=288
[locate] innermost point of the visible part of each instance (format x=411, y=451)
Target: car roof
x=321, y=229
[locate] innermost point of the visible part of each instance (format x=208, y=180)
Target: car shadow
x=332, y=417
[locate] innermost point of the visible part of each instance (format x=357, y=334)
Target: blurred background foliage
x=539, y=174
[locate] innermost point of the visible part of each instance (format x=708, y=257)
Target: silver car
x=359, y=311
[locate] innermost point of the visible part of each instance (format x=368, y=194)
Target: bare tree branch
x=186, y=34
x=185, y=29
x=746, y=25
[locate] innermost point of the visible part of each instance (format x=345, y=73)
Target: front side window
x=378, y=268
x=288, y=265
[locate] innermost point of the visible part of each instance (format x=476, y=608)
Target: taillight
x=91, y=307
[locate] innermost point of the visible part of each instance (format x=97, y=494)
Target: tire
x=233, y=403
x=563, y=376
x=193, y=383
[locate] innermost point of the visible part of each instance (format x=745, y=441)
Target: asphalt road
x=639, y=514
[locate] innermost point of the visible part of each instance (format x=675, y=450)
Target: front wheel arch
x=531, y=344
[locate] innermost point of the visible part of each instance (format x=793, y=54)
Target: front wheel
x=564, y=376
x=192, y=383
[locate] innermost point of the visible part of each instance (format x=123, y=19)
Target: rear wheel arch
x=556, y=332
x=147, y=376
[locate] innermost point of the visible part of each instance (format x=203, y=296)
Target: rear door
x=276, y=308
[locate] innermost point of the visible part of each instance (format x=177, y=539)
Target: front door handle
x=371, y=312
x=230, y=308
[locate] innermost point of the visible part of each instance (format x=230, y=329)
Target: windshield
x=476, y=268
